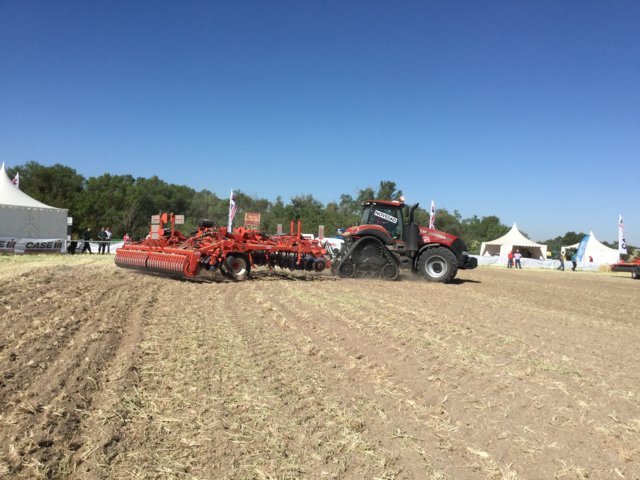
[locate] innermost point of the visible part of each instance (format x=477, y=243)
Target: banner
x=432, y=215
x=252, y=220
x=232, y=211
x=622, y=243
x=31, y=245
x=581, y=248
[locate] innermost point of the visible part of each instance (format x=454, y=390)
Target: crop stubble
x=108, y=373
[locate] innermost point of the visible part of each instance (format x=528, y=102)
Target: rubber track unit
x=350, y=266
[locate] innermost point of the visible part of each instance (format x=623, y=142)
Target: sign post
x=252, y=220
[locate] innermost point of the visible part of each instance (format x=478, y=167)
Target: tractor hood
x=430, y=235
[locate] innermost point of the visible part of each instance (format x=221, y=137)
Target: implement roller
x=212, y=250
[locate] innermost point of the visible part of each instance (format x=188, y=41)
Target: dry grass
x=303, y=376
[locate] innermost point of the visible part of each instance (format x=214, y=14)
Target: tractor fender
x=375, y=231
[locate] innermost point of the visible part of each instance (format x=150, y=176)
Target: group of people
x=104, y=240
x=574, y=261
x=514, y=260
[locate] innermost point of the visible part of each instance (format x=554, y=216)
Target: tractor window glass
x=387, y=218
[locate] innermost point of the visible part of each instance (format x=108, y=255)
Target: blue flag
x=582, y=247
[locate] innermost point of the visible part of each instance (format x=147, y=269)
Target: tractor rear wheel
x=238, y=267
x=438, y=265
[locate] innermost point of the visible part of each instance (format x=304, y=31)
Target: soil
x=504, y=374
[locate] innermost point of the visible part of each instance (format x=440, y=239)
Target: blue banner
x=582, y=247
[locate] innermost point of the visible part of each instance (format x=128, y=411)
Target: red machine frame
x=213, y=249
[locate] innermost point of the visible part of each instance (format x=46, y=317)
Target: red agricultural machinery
x=383, y=244
x=633, y=267
x=212, y=250
x=379, y=247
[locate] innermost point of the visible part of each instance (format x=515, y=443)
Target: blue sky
x=528, y=110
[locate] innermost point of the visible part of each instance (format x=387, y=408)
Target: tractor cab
x=387, y=214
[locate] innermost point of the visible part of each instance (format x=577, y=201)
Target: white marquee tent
x=511, y=241
x=594, y=251
x=27, y=225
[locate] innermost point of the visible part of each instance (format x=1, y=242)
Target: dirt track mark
x=509, y=375
x=55, y=366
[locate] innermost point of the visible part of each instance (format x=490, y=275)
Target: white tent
x=591, y=250
x=511, y=241
x=564, y=249
x=27, y=225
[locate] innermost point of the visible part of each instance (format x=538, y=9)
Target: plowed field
x=109, y=373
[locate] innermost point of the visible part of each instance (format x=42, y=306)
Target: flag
x=16, y=180
x=232, y=211
x=582, y=247
x=432, y=215
x=622, y=243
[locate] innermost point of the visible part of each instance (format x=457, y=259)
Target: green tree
x=476, y=230
x=57, y=186
x=388, y=191
x=446, y=222
x=105, y=201
x=365, y=194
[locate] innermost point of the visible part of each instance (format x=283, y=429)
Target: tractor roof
x=386, y=203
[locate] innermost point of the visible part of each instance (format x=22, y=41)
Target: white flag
x=432, y=215
x=622, y=243
x=16, y=180
x=232, y=211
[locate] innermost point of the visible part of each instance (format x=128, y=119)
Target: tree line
x=126, y=204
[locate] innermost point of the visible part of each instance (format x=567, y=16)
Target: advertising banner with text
x=31, y=245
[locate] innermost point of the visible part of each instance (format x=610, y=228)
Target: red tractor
x=383, y=244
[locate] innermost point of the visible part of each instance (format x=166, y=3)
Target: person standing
x=517, y=257
x=126, y=239
x=510, y=260
x=86, y=236
x=108, y=239
x=561, y=258
x=102, y=236
x=574, y=261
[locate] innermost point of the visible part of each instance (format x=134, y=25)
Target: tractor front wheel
x=438, y=265
x=238, y=267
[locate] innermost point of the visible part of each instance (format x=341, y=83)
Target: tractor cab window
x=388, y=217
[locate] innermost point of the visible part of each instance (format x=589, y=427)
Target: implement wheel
x=238, y=267
x=438, y=265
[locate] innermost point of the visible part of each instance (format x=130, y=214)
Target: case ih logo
x=7, y=245
x=385, y=216
x=43, y=246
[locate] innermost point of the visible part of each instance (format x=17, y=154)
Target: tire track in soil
x=245, y=406
x=403, y=416
x=309, y=396
x=529, y=397
x=58, y=365
x=176, y=414
x=289, y=378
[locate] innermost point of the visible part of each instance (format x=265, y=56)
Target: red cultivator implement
x=631, y=266
x=212, y=250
